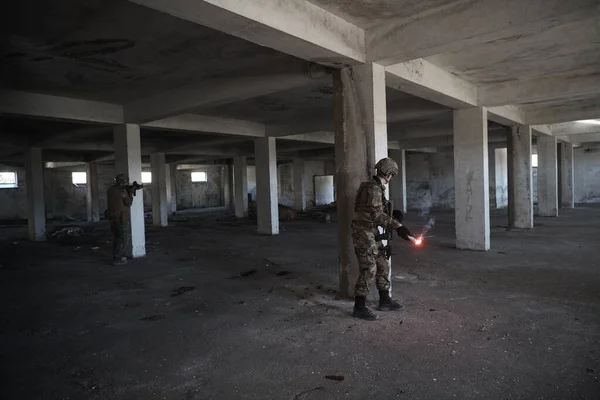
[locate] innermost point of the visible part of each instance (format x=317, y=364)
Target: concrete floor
x=521, y=321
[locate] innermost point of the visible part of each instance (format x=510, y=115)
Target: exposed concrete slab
x=463, y=26
x=547, y=176
x=471, y=179
x=520, y=182
x=297, y=28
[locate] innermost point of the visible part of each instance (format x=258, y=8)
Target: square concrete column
x=520, y=183
x=160, y=209
x=471, y=179
x=36, y=209
x=240, y=186
x=226, y=184
x=128, y=160
x=500, y=177
x=360, y=124
x=398, y=184
x=173, y=188
x=92, y=203
x=299, y=187
x=547, y=176
x=567, y=187
x=267, y=207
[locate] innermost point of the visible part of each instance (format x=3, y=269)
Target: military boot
x=361, y=311
x=119, y=260
x=387, y=304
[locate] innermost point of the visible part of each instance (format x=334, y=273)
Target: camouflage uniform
x=370, y=210
x=119, y=200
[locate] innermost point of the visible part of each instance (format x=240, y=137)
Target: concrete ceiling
x=116, y=51
x=369, y=13
x=154, y=66
x=565, y=50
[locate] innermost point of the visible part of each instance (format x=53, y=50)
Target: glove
x=397, y=214
x=404, y=233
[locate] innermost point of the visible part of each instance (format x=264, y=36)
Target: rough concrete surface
x=217, y=312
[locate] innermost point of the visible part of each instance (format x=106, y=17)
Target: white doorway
x=323, y=190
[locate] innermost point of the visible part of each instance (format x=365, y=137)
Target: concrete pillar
x=360, y=141
x=398, y=184
x=168, y=183
x=226, y=184
x=501, y=177
x=36, y=210
x=299, y=185
x=520, y=186
x=173, y=187
x=567, y=187
x=128, y=160
x=92, y=200
x=267, y=207
x=160, y=209
x=547, y=176
x=471, y=177
x=240, y=188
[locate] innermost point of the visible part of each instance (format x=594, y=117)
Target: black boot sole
x=388, y=308
x=372, y=317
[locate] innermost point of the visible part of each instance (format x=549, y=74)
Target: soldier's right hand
x=404, y=233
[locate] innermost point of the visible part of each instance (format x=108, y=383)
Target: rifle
x=134, y=187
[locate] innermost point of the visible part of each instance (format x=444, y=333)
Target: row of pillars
x=127, y=145
x=361, y=140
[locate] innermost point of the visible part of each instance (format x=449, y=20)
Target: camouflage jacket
x=370, y=207
x=118, y=200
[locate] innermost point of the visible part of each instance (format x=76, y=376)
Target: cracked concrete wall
x=587, y=175
x=197, y=194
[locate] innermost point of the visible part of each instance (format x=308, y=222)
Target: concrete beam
x=573, y=128
x=423, y=79
x=539, y=90
x=462, y=24
x=224, y=90
x=298, y=27
x=60, y=108
x=72, y=134
x=205, y=123
x=584, y=138
x=562, y=113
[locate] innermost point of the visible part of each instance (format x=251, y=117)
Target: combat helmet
x=121, y=179
x=386, y=166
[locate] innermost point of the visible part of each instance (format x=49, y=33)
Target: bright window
x=79, y=178
x=8, y=180
x=146, y=177
x=199, y=177
x=534, y=160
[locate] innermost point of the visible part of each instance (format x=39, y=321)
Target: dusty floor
x=521, y=321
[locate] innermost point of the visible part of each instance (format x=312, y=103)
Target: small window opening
x=146, y=177
x=79, y=178
x=8, y=180
x=199, y=177
x=534, y=160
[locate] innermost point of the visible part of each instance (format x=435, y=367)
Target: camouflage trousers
x=121, y=236
x=372, y=263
